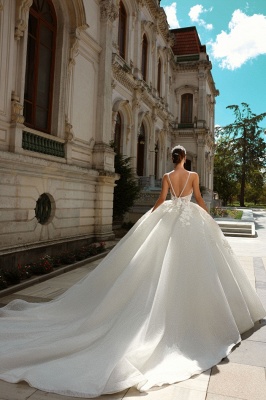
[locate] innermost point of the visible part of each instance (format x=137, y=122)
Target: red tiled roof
x=187, y=41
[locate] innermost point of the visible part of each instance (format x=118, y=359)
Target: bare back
x=182, y=182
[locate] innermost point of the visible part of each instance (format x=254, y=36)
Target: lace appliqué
x=182, y=205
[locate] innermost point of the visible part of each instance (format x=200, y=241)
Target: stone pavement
x=240, y=376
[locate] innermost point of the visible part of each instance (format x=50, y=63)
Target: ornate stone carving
x=109, y=10
x=22, y=13
x=16, y=110
x=122, y=73
x=69, y=135
x=74, y=51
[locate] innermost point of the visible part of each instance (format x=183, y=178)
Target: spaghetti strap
x=172, y=185
x=185, y=185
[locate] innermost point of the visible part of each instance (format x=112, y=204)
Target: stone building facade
x=76, y=75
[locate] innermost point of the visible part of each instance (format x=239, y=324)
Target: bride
x=169, y=301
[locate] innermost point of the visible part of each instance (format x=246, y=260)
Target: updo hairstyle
x=178, y=154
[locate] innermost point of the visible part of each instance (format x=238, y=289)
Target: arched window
x=186, y=108
x=122, y=27
x=144, y=60
x=40, y=66
x=159, y=72
x=141, y=151
x=118, y=133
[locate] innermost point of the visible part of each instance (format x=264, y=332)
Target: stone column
x=152, y=149
x=137, y=32
x=135, y=131
x=104, y=205
x=202, y=99
x=19, y=63
x=103, y=154
x=201, y=159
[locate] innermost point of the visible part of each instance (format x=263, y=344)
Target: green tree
x=255, y=188
x=225, y=171
x=244, y=136
x=127, y=189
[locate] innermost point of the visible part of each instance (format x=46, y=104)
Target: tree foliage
x=127, y=189
x=225, y=172
x=243, y=139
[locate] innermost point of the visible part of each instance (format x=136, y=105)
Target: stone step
x=233, y=228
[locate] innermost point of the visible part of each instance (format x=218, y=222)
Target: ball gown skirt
x=169, y=301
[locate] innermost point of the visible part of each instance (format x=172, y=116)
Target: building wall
x=92, y=84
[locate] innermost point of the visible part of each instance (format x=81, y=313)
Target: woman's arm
x=163, y=194
x=196, y=192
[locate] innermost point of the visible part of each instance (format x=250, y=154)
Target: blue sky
x=234, y=32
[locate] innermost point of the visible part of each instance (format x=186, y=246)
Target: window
x=40, y=66
x=141, y=151
x=186, y=108
x=144, y=57
x=159, y=77
x=122, y=26
x=118, y=133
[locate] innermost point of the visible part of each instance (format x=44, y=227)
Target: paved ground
x=240, y=376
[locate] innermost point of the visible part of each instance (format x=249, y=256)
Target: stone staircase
x=243, y=228
x=231, y=228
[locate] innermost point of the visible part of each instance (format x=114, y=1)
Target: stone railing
x=41, y=144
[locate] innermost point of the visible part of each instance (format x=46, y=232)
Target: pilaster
x=19, y=62
x=103, y=157
x=104, y=205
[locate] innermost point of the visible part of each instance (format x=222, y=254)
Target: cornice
x=123, y=75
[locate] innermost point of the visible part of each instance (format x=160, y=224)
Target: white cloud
x=170, y=12
x=245, y=40
x=194, y=15
x=195, y=12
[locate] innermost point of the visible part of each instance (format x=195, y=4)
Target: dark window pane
x=32, y=26
x=29, y=82
x=46, y=36
x=43, y=8
x=144, y=57
x=186, y=108
x=159, y=77
x=41, y=118
x=141, y=151
x=122, y=30
x=40, y=64
x=27, y=112
x=44, y=69
x=118, y=130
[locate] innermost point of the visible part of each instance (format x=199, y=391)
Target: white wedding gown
x=169, y=301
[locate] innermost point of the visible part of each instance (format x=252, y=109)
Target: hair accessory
x=179, y=147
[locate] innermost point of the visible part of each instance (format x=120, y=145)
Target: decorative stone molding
x=69, y=135
x=147, y=25
x=103, y=172
x=22, y=13
x=118, y=104
x=1, y=5
x=138, y=96
x=142, y=115
x=109, y=10
x=122, y=72
x=16, y=110
x=74, y=51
